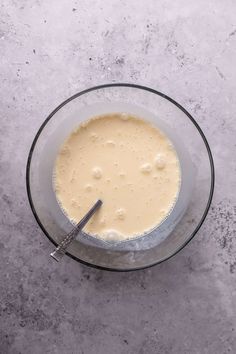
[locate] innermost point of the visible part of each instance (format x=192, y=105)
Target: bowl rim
x=140, y=87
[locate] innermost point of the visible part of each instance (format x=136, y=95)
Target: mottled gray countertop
x=50, y=50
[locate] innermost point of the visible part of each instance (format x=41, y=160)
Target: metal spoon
x=59, y=252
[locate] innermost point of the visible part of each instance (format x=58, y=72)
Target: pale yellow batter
x=127, y=163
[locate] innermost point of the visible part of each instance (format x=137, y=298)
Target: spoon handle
x=59, y=252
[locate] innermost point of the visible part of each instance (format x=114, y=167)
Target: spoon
x=59, y=252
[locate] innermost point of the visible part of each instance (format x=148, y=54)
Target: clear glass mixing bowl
x=196, y=165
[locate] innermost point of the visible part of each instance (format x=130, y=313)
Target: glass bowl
x=197, y=171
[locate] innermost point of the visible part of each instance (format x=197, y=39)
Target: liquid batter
x=127, y=163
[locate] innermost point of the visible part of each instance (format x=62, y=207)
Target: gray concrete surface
x=48, y=51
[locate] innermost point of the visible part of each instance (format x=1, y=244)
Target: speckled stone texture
x=50, y=50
